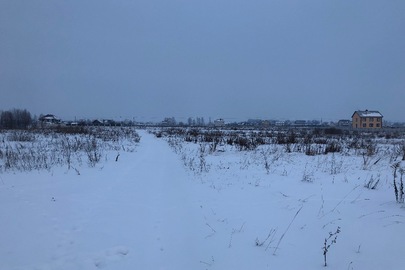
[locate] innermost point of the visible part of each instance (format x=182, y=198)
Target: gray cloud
x=231, y=59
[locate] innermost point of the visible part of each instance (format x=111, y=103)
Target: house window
x=371, y=125
x=371, y=119
x=364, y=125
x=378, y=119
x=377, y=125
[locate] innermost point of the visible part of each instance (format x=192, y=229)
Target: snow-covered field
x=175, y=205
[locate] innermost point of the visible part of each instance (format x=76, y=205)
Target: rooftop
x=368, y=113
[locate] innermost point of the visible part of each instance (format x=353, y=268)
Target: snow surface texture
x=149, y=210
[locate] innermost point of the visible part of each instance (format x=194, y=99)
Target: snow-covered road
x=150, y=209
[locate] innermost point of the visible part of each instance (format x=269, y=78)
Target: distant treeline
x=15, y=119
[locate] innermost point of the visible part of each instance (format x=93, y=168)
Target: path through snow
x=133, y=214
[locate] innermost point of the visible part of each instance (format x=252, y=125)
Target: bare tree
x=6, y=119
x=15, y=119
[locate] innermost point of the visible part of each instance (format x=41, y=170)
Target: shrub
x=329, y=241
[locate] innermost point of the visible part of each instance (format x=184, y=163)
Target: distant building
x=49, y=119
x=219, y=122
x=344, y=123
x=97, y=123
x=103, y=122
x=169, y=121
x=71, y=124
x=300, y=123
x=367, y=119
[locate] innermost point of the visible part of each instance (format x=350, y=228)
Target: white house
x=49, y=119
x=219, y=122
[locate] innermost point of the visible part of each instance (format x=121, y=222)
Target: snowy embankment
x=149, y=211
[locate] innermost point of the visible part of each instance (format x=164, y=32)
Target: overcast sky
x=271, y=59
